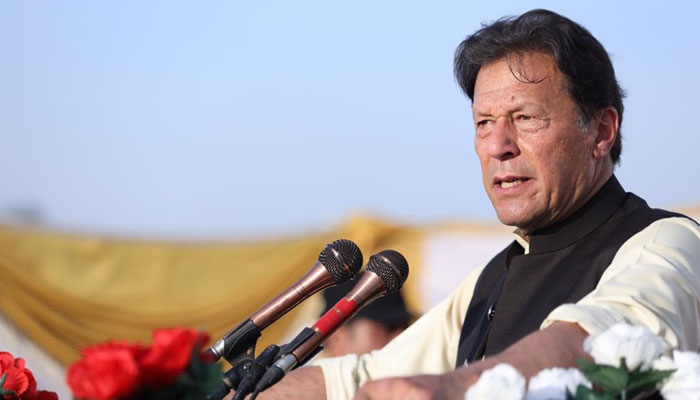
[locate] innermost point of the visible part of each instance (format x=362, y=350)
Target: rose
x=136, y=350
x=684, y=383
x=122, y=370
x=45, y=395
x=105, y=372
x=17, y=380
x=168, y=356
x=553, y=383
x=502, y=382
x=637, y=345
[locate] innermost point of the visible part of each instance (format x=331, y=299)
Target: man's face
x=536, y=160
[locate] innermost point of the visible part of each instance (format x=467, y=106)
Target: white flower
x=684, y=383
x=502, y=382
x=663, y=363
x=636, y=344
x=552, y=384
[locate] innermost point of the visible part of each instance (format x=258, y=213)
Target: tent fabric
x=65, y=291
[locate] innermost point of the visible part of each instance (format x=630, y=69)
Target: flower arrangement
x=170, y=368
x=628, y=365
x=17, y=382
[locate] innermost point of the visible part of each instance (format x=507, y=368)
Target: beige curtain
x=65, y=291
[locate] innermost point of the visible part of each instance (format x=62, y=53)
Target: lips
x=507, y=182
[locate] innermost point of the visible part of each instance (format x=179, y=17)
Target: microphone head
x=342, y=259
x=391, y=267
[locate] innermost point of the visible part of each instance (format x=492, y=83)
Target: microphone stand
x=245, y=376
x=231, y=379
x=241, y=343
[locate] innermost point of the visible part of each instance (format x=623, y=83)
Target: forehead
x=517, y=78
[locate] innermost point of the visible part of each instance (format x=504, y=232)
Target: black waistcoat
x=516, y=292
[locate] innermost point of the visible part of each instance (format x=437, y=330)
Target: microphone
x=337, y=262
x=385, y=273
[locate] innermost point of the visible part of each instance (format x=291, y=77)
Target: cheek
x=546, y=163
x=562, y=166
x=548, y=157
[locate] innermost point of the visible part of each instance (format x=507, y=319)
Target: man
x=547, y=110
x=371, y=328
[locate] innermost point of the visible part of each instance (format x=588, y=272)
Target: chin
x=515, y=219
x=513, y=223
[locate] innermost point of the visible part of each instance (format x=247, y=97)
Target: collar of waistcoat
x=583, y=222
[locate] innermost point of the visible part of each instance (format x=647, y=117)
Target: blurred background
x=149, y=145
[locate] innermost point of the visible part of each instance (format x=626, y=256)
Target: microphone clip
x=239, y=344
x=296, y=342
x=301, y=338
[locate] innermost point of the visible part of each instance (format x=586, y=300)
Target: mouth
x=508, y=182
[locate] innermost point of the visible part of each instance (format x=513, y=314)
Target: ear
x=606, y=125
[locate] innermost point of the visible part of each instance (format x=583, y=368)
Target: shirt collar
x=580, y=224
x=521, y=241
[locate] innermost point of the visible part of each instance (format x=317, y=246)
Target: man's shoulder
x=656, y=227
x=637, y=205
x=675, y=231
x=636, y=215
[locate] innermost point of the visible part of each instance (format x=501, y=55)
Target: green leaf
x=586, y=366
x=584, y=393
x=623, y=364
x=612, y=379
x=6, y=392
x=646, y=381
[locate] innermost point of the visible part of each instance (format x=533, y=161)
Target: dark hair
x=591, y=81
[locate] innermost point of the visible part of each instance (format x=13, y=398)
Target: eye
x=530, y=122
x=483, y=122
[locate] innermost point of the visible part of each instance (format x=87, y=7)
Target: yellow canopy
x=65, y=291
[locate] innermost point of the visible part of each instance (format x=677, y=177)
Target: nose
x=502, y=142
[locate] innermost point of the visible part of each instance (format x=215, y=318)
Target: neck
x=600, y=178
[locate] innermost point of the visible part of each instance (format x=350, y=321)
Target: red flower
x=45, y=395
x=169, y=355
x=17, y=377
x=117, y=369
x=105, y=372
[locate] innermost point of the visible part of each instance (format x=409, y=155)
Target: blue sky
x=171, y=118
